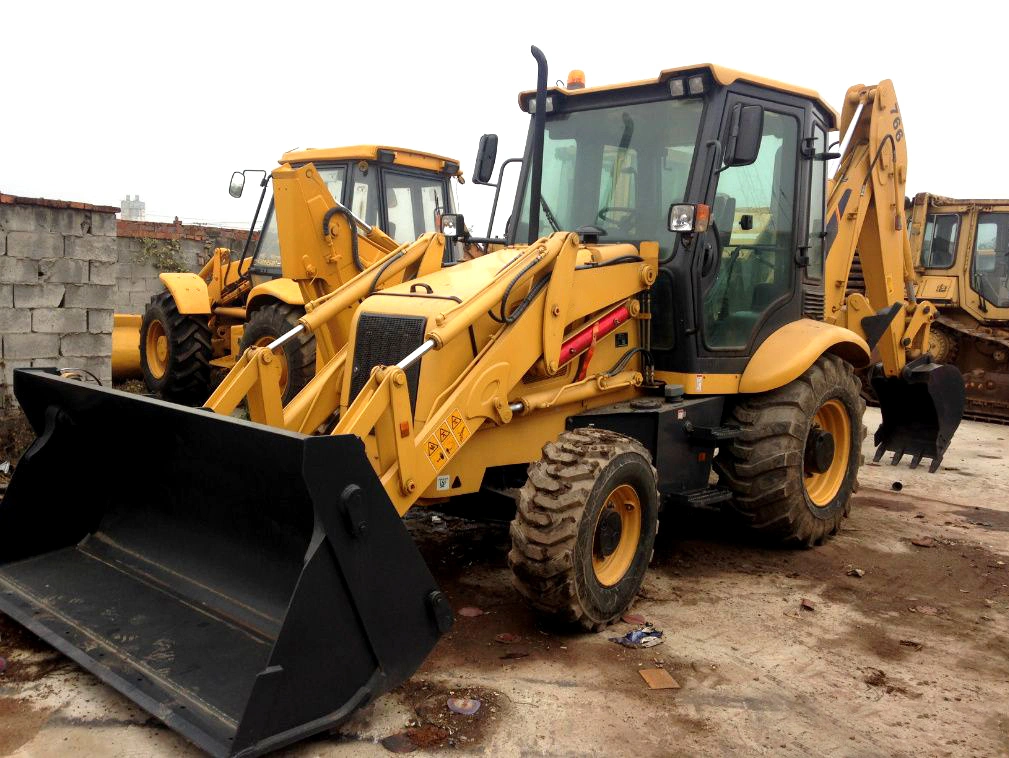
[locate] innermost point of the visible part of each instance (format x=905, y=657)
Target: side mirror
x=453, y=226
x=486, y=155
x=237, y=184
x=746, y=128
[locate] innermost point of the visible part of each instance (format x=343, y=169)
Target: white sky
x=165, y=100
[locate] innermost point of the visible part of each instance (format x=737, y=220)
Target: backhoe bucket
x=921, y=410
x=247, y=586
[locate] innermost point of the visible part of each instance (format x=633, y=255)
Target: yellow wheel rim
x=822, y=487
x=156, y=348
x=281, y=360
x=612, y=555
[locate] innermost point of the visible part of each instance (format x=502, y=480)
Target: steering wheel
x=626, y=222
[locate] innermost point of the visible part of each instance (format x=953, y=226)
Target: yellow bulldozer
x=961, y=252
x=204, y=321
x=671, y=303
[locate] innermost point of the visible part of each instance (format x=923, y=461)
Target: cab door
x=747, y=275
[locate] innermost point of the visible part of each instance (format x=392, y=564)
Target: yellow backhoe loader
x=671, y=298
x=205, y=321
x=961, y=251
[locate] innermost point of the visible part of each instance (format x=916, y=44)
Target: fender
x=189, y=292
x=787, y=353
x=282, y=289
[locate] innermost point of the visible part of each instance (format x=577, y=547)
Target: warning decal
x=447, y=439
x=435, y=453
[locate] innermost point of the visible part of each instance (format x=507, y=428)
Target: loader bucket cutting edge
x=247, y=586
x=921, y=411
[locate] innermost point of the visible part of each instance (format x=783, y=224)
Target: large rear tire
x=296, y=356
x=585, y=527
x=175, y=352
x=794, y=467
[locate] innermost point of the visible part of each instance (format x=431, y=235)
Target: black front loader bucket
x=247, y=586
x=921, y=408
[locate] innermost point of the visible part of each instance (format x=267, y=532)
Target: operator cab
x=747, y=153
x=404, y=193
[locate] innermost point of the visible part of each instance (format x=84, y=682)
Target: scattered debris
x=913, y=644
x=897, y=486
x=514, y=656
x=659, y=679
x=470, y=611
x=877, y=678
x=464, y=706
x=919, y=515
x=856, y=572
x=924, y=610
x=436, y=519
x=633, y=618
x=646, y=636
x=399, y=743
x=5, y=467
x=923, y=542
x=807, y=605
x=507, y=638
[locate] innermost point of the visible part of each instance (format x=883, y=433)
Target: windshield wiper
x=549, y=214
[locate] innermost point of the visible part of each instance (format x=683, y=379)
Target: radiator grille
x=385, y=340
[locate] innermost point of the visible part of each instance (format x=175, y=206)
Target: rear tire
x=175, y=352
x=585, y=527
x=297, y=355
x=779, y=489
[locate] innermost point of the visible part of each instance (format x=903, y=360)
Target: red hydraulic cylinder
x=592, y=333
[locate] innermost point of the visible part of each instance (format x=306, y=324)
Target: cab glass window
x=413, y=204
x=754, y=211
x=938, y=248
x=816, y=205
x=990, y=269
x=618, y=169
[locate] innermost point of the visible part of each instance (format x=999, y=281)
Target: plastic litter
x=646, y=636
x=470, y=611
x=464, y=706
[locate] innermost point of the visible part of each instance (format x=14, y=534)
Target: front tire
x=794, y=467
x=585, y=527
x=175, y=352
x=296, y=356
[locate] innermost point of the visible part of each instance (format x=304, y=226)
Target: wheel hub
x=819, y=451
x=608, y=532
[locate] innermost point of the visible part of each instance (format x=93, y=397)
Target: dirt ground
x=909, y=658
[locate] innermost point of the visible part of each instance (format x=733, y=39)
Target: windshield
x=618, y=169
x=268, y=251
x=991, y=258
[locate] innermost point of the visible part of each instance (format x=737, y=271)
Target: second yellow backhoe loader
x=961, y=251
x=205, y=320
x=672, y=298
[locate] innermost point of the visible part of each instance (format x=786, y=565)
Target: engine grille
x=385, y=340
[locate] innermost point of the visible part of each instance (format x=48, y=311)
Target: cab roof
x=722, y=75
x=379, y=153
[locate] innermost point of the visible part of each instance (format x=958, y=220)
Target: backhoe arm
x=921, y=401
x=865, y=213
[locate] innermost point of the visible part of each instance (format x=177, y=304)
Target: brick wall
x=57, y=286
x=137, y=281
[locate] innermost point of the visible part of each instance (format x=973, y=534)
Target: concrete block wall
x=137, y=281
x=57, y=292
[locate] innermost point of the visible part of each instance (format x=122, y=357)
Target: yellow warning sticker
x=447, y=439
x=435, y=453
x=458, y=426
